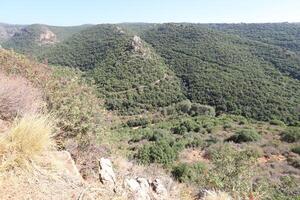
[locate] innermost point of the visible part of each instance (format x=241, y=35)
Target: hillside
x=285, y=35
x=7, y=31
x=184, y=151
x=234, y=74
x=33, y=39
x=125, y=69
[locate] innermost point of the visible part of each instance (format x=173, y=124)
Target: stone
x=139, y=188
x=106, y=172
x=159, y=190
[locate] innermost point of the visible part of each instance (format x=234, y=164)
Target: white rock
x=139, y=188
x=106, y=172
x=159, y=190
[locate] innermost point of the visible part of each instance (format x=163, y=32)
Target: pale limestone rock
x=106, y=172
x=159, y=190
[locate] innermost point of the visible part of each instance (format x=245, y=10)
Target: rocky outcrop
x=106, y=173
x=159, y=190
x=47, y=37
x=139, y=188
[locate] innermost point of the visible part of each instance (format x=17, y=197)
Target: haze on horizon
x=70, y=12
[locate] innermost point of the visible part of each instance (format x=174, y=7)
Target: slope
x=126, y=69
x=286, y=35
x=33, y=39
x=233, y=74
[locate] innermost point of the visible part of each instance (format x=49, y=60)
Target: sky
x=76, y=12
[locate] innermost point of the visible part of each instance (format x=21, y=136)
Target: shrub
x=296, y=150
x=245, y=135
x=28, y=138
x=17, y=97
x=188, y=173
x=186, y=126
x=232, y=170
x=137, y=122
x=198, y=109
x=184, y=106
x=70, y=97
x=294, y=161
x=277, y=122
x=159, y=152
x=291, y=134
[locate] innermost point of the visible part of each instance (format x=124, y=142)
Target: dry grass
x=216, y=195
x=28, y=138
x=17, y=97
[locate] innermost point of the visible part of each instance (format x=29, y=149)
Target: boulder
x=106, y=172
x=139, y=188
x=159, y=190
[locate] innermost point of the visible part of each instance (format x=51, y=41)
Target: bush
x=232, y=170
x=296, y=150
x=245, y=135
x=291, y=134
x=28, y=138
x=277, y=122
x=294, y=161
x=70, y=97
x=186, y=126
x=188, y=173
x=198, y=109
x=159, y=152
x=17, y=97
x=184, y=106
x=137, y=122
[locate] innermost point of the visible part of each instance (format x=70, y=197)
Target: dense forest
x=210, y=107
x=246, y=69
x=235, y=75
x=126, y=69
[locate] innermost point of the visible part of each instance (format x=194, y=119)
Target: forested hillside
x=126, y=69
x=247, y=69
x=33, y=39
x=286, y=35
x=235, y=75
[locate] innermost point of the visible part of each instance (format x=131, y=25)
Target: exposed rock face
x=143, y=189
x=47, y=37
x=106, y=172
x=139, y=187
x=137, y=43
x=69, y=165
x=160, y=192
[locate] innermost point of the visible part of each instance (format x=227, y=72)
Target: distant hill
x=33, y=39
x=285, y=35
x=126, y=69
x=247, y=69
x=234, y=74
x=7, y=31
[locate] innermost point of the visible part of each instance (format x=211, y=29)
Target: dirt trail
x=142, y=86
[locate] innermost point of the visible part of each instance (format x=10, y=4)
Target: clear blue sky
x=75, y=12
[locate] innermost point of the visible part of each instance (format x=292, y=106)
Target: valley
x=190, y=108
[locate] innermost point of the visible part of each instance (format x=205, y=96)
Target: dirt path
x=142, y=86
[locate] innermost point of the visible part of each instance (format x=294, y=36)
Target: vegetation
x=28, y=138
x=291, y=134
x=66, y=93
x=245, y=135
x=17, y=97
x=181, y=92
x=110, y=57
x=188, y=173
x=296, y=150
x=27, y=40
x=249, y=74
